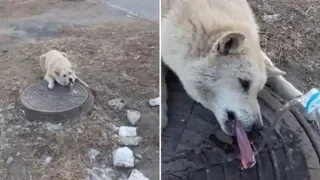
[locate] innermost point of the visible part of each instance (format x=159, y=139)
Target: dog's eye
x=70, y=73
x=245, y=84
x=64, y=75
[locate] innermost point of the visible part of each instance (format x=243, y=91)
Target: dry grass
x=68, y=149
x=292, y=42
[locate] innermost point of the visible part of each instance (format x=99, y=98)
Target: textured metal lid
x=39, y=97
x=41, y=100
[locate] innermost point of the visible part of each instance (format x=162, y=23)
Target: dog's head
x=228, y=80
x=65, y=75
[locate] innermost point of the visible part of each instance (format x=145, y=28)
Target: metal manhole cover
x=188, y=152
x=58, y=104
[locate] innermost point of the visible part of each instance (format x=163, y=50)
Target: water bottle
x=311, y=105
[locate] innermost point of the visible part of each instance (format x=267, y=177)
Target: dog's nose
x=70, y=80
x=257, y=126
x=231, y=122
x=231, y=115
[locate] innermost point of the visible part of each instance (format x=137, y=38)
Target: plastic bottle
x=311, y=104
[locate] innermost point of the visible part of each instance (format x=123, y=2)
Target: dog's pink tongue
x=246, y=153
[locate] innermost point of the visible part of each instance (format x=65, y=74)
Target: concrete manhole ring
x=38, y=102
x=188, y=153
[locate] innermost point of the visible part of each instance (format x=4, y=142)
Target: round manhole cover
x=62, y=103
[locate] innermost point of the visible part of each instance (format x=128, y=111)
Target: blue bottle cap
x=312, y=98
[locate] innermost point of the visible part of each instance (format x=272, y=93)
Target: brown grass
x=293, y=41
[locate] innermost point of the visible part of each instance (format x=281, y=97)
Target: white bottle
x=311, y=104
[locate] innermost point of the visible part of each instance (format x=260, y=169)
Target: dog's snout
x=70, y=80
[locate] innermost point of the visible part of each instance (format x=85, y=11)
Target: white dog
x=213, y=47
x=57, y=68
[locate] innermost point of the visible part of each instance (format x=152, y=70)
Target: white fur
x=57, y=68
x=211, y=45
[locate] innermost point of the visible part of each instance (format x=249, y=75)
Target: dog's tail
x=42, y=62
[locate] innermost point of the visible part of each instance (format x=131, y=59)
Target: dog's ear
x=230, y=43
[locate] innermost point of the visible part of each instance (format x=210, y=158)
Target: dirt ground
x=290, y=34
x=118, y=59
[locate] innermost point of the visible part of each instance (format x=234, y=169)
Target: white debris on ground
x=79, y=131
x=52, y=127
x=133, y=116
x=137, y=175
x=123, y=157
x=155, y=102
x=101, y=174
x=11, y=106
x=117, y=104
x=47, y=160
x=2, y=120
x=92, y=154
x=271, y=18
x=129, y=141
x=128, y=136
x=9, y=160
x=128, y=131
x=139, y=156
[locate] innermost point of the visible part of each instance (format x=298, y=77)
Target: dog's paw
x=50, y=85
x=164, y=118
x=164, y=121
